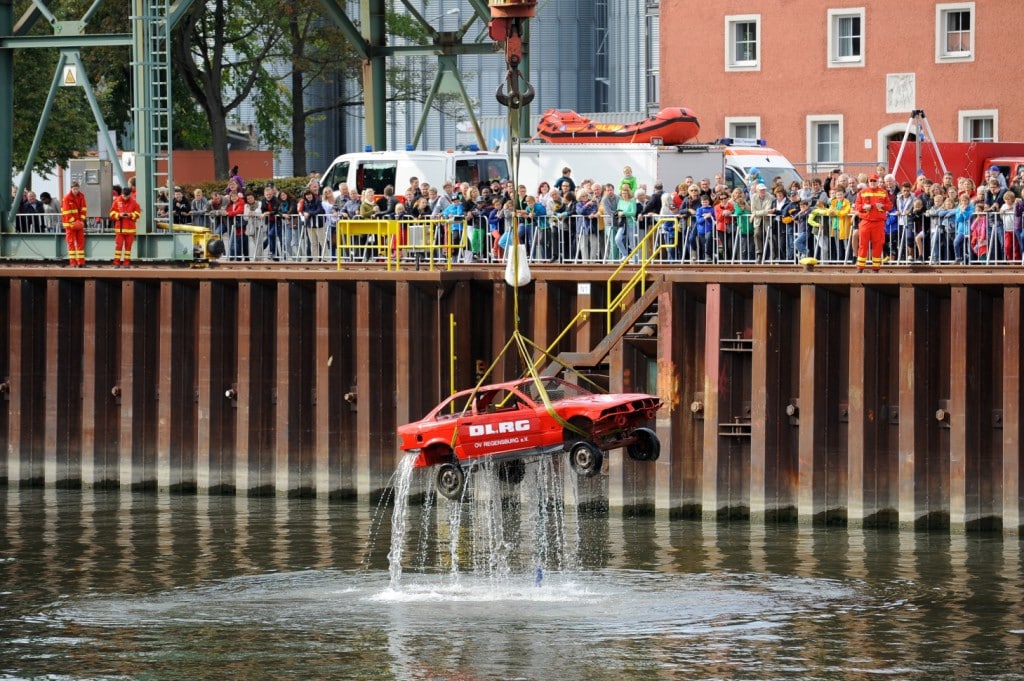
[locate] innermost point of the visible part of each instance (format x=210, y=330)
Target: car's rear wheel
x=647, y=446
x=451, y=481
x=585, y=458
x=512, y=472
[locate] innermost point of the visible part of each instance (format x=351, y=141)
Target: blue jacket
x=963, y=219
x=705, y=220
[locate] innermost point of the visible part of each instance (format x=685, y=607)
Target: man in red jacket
x=124, y=212
x=872, y=205
x=74, y=215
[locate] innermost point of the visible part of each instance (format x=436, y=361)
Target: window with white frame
x=954, y=31
x=846, y=37
x=743, y=42
x=747, y=127
x=825, y=139
x=652, y=56
x=979, y=126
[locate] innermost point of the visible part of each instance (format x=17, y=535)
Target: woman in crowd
x=286, y=211
x=625, y=219
x=311, y=214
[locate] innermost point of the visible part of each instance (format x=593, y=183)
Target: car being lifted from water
x=509, y=422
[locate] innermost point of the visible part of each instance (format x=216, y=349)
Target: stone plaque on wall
x=900, y=92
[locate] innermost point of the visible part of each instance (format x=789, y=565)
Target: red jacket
x=125, y=212
x=73, y=210
x=866, y=207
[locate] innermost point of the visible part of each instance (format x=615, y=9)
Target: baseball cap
x=994, y=169
x=874, y=177
x=759, y=187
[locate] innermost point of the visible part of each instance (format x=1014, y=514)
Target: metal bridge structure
x=151, y=22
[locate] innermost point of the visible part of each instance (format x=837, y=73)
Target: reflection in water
x=157, y=586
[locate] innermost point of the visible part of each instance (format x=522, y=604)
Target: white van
x=742, y=156
x=734, y=160
x=378, y=169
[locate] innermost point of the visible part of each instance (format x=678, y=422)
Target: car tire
x=585, y=458
x=451, y=481
x=512, y=472
x=647, y=446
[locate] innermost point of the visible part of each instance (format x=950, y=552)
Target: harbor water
x=509, y=584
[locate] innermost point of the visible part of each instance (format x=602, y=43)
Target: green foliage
x=191, y=127
x=222, y=50
x=71, y=128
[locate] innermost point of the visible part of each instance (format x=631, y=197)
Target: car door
x=501, y=423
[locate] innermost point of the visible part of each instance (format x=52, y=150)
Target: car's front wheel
x=451, y=481
x=647, y=446
x=585, y=458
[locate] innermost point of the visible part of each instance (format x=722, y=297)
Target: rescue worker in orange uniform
x=872, y=205
x=74, y=215
x=125, y=212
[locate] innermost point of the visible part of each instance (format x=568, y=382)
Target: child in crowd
x=802, y=227
x=628, y=179
x=495, y=227
x=820, y=222
x=941, y=216
x=916, y=228
x=840, y=227
x=962, y=219
x=1009, y=212
x=744, y=229
x=198, y=208
x=723, y=218
x=455, y=214
x=705, y=227
x=535, y=224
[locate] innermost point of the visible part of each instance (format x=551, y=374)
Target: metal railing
x=987, y=237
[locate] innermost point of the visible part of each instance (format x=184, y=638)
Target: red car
x=507, y=422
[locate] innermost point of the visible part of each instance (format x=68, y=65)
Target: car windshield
x=556, y=389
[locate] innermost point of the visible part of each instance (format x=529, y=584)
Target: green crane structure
x=150, y=41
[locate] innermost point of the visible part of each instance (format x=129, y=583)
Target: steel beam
x=207, y=391
x=1013, y=408
x=65, y=42
x=128, y=468
x=6, y=114
x=246, y=479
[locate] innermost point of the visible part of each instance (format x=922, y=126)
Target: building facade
x=830, y=83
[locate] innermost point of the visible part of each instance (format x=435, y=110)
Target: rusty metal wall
x=791, y=396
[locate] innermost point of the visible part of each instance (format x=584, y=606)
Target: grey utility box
x=96, y=180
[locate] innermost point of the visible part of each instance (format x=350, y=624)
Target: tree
x=223, y=52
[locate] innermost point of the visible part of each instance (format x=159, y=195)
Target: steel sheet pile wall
x=789, y=395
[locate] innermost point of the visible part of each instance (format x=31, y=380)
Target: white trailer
x=669, y=164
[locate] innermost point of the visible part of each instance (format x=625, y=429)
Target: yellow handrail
x=638, y=278
x=390, y=237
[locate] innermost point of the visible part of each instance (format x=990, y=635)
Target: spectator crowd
x=570, y=220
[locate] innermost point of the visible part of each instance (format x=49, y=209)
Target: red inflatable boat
x=672, y=126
